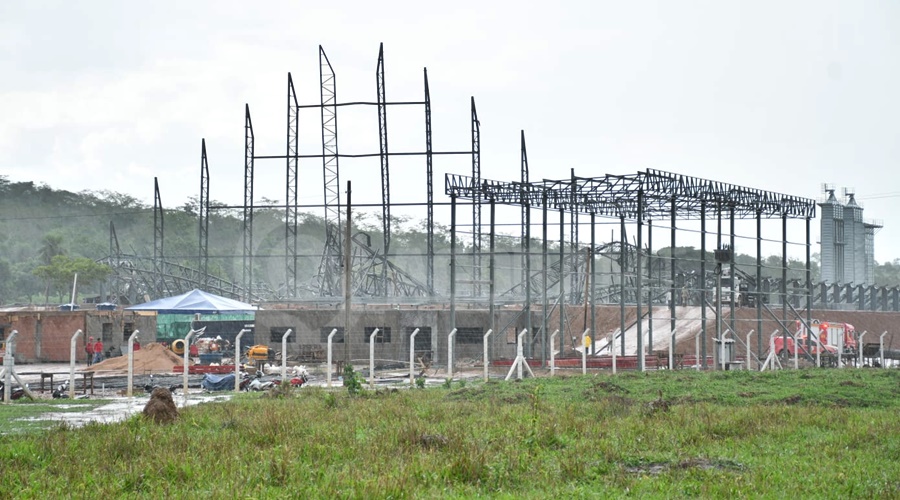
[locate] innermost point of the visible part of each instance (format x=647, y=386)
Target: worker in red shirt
x=89, y=350
x=98, y=351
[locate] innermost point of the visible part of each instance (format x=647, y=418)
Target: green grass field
x=801, y=434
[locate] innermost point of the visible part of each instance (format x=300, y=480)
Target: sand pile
x=152, y=358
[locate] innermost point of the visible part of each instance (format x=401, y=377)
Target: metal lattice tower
x=329, y=270
x=290, y=199
x=385, y=169
x=247, y=275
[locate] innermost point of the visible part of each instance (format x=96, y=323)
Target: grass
x=808, y=433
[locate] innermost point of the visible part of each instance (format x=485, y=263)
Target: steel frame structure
x=641, y=199
x=391, y=278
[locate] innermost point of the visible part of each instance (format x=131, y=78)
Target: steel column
x=593, y=285
x=248, y=207
x=546, y=305
x=759, y=295
x=784, y=278
x=385, y=169
x=452, y=263
x=732, y=271
x=638, y=293
x=623, y=261
x=492, y=262
x=429, y=176
x=672, y=271
x=526, y=248
x=650, y=286
x=330, y=268
x=703, y=283
x=290, y=197
x=158, y=241
x=809, y=280
x=562, y=275
x=525, y=214
x=203, y=210
x=476, y=202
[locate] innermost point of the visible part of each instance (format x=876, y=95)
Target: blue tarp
x=213, y=382
x=193, y=302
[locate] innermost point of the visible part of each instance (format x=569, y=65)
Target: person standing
x=98, y=350
x=89, y=349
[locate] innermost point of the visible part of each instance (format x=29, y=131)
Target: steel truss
x=644, y=197
x=641, y=197
x=618, y=196
x=139, y=277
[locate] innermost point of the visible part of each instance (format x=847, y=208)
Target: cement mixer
x=177, y=346
x=260, y=353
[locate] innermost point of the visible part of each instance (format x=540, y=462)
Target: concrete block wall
x=45, y=336
x=311, y=327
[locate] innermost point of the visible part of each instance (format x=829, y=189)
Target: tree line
x=50, y=235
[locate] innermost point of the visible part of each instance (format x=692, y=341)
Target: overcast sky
x=775, y=95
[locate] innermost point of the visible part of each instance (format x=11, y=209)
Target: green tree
x=6, y=281
x=888, y=273
x=63, y=269
x=51, y=246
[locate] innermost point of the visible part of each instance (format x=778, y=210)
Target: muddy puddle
x=116, y=410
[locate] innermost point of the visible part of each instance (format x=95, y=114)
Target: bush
x=351, y=380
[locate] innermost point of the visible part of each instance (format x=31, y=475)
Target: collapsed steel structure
x=635, y=199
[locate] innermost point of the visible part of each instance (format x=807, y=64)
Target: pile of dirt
x=161, y=407
x=151, y=358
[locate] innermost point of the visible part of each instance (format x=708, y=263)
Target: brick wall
x=45, y=336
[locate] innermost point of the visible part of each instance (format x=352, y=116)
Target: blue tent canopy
x=193, y=302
